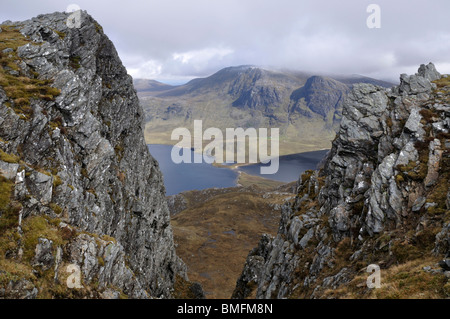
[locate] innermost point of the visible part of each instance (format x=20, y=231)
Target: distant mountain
x=322, y=96
x=232, y=80
x=355, y=78
x=147, y=87
x=306, y=108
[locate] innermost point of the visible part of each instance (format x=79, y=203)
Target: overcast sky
x=176, y=40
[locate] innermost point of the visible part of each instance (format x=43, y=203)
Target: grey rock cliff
x=84, y=162
x=381, y=195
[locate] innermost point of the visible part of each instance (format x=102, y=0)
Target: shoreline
x=247, y=178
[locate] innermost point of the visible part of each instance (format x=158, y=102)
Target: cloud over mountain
x=176, y=39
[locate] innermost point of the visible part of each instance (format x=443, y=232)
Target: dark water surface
x=291, y=166
x=183, y=177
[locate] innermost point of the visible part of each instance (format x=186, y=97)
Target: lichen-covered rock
x=382, y=196
x=443, y=241
x=19, y=289
x=43, y=254
x=77, y=155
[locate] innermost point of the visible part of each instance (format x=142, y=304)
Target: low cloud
x=147, y=70
x=181, y=66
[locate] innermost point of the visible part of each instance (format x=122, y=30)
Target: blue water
x=184, y=177
x=291, y=166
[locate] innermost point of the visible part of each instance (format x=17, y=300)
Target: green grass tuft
x=8, y=158
x=20, y=89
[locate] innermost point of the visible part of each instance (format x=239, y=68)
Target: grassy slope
x=20, y=88
x=263, y=183
x=216, y=232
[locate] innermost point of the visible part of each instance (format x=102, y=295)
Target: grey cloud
x=179, y=39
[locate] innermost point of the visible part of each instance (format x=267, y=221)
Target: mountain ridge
x=249, y=96
x=294, y=74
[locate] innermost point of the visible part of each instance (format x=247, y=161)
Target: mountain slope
x=233, y=81
x=248, y=96
x=321, y=96
x=215, y=228
x=79, y=189
x=355, y=79
x=150, y=87
x=382, y=197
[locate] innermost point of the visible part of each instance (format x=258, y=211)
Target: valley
x=214, y=229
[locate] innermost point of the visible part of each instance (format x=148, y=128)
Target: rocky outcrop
x=254, y=89
x=83, y=188
x=381, y=196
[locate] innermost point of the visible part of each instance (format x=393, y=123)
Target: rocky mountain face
x=382, y=197
x=320, y=96
x=78, y=186
x=307, y=109
x=247, y=90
